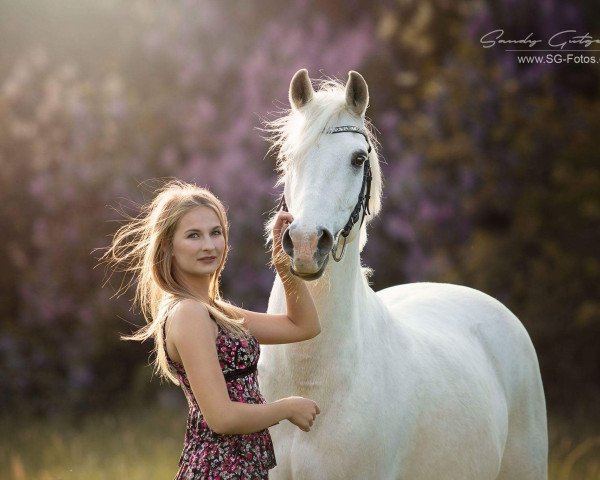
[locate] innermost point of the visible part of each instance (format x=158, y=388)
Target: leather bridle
x=363, y=197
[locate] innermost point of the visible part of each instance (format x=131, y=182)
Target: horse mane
x=296, y=131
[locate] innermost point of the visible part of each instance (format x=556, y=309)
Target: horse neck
x=329, y=360
x=340, y=296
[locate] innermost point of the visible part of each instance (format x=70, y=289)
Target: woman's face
x=198, y=243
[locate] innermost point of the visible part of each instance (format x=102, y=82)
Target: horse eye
x=358, y=159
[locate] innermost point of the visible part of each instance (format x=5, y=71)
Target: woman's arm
x=191, y=331
x=302, y=320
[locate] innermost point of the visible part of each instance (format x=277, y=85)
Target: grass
x=574, y=449
x=145, y=445
x=141, y=445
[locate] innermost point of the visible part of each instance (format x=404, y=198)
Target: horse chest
x=336, y=446
x=308, y=370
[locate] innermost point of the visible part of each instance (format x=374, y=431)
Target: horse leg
x=526, y=452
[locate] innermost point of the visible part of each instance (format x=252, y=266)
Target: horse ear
x=357, y=93
x=301, y=91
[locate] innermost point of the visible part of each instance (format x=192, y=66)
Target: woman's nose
x=208, y=244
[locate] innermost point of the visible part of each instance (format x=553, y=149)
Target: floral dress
x=211, y=456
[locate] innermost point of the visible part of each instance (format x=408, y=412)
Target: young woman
x=176, y=250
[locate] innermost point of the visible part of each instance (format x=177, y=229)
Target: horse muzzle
x=309, y=251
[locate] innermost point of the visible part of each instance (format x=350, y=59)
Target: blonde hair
x=142, y=247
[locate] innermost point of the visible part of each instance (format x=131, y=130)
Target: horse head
x=326, y=159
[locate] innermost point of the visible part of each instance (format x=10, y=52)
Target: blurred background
x=492, y=180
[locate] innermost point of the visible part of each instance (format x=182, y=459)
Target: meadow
x=144, y=444
x=135, y=445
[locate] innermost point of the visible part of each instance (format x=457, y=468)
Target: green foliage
x=504, y=194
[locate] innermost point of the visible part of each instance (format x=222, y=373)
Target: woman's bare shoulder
x=190, y=317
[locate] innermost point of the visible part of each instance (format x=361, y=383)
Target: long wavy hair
x=142, y=249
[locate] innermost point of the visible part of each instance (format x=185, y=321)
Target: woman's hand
x=302, y=412
x=280, y=259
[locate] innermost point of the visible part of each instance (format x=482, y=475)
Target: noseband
x=363, y=197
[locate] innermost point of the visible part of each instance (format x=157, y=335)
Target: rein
x=363, y=196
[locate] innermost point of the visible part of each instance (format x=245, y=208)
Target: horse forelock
x=295, y=132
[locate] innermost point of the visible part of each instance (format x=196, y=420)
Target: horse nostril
x=325, y=242
x=286, y=242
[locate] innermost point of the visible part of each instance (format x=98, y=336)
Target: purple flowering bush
x=181, y=92
x=491, y=168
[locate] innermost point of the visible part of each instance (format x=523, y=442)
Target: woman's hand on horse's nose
x=280, y=259
x=284, y=217
x=282, y=220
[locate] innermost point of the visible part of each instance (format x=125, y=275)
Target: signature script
x=558, y=40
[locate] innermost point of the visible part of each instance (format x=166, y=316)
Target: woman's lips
x=207, y=259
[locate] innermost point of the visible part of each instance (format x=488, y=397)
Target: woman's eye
x=217, y=232
x=193, y=235
x=359, y=159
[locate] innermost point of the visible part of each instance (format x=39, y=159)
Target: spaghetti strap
x=164, y=335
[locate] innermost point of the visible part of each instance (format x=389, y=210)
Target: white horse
x=421, y=381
